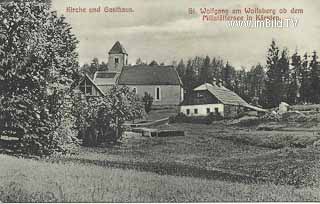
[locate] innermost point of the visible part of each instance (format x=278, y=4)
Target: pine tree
x=227, y=76
x=295, y=79
x=273, y=81
x=204, y=74
x=181, y=69
x=315, y=78
x=305, y=89
x=283, y=66
x=189, y=80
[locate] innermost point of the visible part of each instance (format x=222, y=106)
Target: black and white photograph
x=143, y=101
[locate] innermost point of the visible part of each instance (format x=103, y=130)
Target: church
x=161, y=82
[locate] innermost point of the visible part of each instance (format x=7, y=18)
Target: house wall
x=117, y=67
x=202, y=109
x=169, y=94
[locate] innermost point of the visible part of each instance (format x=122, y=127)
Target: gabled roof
x=117, y=48
x=90, y=80
x=105, y=77
x=226, y=96
x=149, y=75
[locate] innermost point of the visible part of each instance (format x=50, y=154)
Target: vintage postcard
x=159, y=101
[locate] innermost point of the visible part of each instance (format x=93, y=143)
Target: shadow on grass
x=169, y=168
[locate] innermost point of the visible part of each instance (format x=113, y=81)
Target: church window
x=158, y=94
x=116, y=60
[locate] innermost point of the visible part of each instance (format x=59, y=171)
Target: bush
x=147, y=100
x=101, y=119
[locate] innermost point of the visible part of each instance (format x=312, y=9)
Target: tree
x=189, y=80
x=305, y=89
x=295, y=82
x=204, y=73
x=139, y=61
x=38, y=64
x=273, y=81
x=227, y=76
x=181, y=69
x=153, y=63
x=283, y=66
x=102, y=118
x=315, y=78
x=103, y=67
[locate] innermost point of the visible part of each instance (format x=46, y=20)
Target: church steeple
x=118, y=58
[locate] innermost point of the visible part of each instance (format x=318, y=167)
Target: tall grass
x=24, y=180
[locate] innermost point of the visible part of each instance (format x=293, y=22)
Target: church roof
x=149, y=75
x=117, y=48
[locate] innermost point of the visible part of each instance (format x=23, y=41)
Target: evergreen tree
x=273, y=81
x=295, y=82
x=181, y=69
x=189, y=80
x=305, y=89
x=139, y=61
x=315, y=78
x=204, y=74
x=227, y=76
x=283, y=66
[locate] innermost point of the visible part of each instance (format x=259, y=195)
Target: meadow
x=217, y=162
x=23, y=180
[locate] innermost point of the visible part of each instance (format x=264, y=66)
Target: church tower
x=118, y=58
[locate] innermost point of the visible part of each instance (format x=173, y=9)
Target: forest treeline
x=294, y=79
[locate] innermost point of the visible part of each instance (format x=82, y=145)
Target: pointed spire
x=117, y=48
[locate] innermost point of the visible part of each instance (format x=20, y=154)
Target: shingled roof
x=149, y=75
x=226, y=96
x=105, y=79
x=117, y=48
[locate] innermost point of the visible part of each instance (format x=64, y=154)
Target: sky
x=164, y=31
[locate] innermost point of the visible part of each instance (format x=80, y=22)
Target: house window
x=86, y=88
x=208, y=110
x=116, y=60
x=158, y=94
x=216, y=110
x=195, y=111
x=188, y=111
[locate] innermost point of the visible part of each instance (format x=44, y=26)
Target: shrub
x=147, y=100
x=101, y=118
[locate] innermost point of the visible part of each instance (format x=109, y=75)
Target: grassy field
x=217, y=162
x=23, y=180
x=217, y=151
